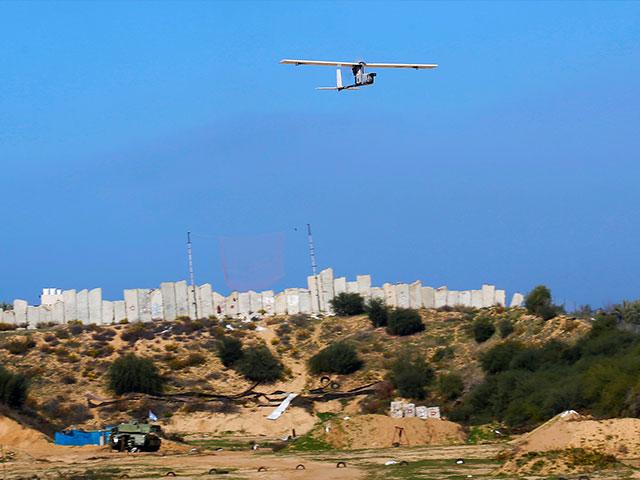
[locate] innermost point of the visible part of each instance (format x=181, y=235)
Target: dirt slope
x=379, y=431
x=618, y=436
x=248, y=421
x=15, y=436
x=69, y=363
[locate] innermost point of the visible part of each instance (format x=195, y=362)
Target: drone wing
x=318, y=63
x=417, y=66
x=322, y=63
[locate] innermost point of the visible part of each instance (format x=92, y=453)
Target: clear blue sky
x=123, y=125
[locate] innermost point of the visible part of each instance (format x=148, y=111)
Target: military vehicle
x=135, y=437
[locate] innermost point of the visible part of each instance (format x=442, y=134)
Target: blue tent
x=78, y=438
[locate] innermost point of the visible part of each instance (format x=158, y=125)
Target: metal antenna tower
x=192, y=278
x=314, y=265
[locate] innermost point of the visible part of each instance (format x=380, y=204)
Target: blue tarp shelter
x=77, y=438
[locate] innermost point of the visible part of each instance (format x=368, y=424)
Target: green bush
x=19, y=346
x=259, y=365
x=410, y=375
x=229, y=351
x=483, y=329
x=450, y=386
x=75, y=327
x=499, y=358
x=378, y=312
x=627, y=312
x=13, y=388
x=505, y=326
x=347, y=304
x=340, y=358
x=404, y=321
x=138, y=331
x=527, y=385
x=134, y=374
x=538, y=302
x=442, y=353
x=192, y=360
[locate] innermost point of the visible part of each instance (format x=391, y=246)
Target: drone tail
x=338, y=86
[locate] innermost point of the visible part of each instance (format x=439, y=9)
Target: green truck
x=135, y=437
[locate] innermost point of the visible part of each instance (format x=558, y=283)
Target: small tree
x=13, y=388
x=410, y=374
x=259, y=365
x=450, y=386
x=628, y=312
x=483, y=329
x=506, y=327
x=404, y=321
x=377, y=312
x=134, y=374
x=538, y=302
x=499, y=358
x=229, y=351
x=19, y=346
x=348, y=304
x=339, y=358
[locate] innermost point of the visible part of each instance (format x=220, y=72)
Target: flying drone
x=360, y=78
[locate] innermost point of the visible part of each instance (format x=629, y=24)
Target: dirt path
x=237, y=464
x=423, y=462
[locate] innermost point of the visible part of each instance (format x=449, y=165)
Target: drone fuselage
x=361, y=78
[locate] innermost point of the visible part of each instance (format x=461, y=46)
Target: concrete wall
x=177, y=299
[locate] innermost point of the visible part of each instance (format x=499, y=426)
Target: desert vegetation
x=13, y=388
x=527, y=384
x=340, y=358
x=130, y=373
x=404, y=321
x=347, y=304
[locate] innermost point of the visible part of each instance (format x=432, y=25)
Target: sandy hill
x=572, y=444
x=381, y=431
x=617, y=436
x=67, y=364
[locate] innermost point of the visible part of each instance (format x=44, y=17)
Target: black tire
x=335, y=385
x=300, y=467
x=262, y=469
x=170, y=474
x=341, y=465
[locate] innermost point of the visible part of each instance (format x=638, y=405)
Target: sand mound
x=378, y=431
x=247, y=422
x=16, y=437
x=618, y=436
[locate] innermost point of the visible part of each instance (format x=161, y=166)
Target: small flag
x=152, y=416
